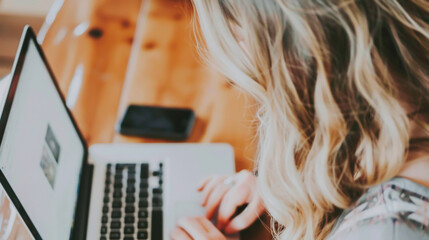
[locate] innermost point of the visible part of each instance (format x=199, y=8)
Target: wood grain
x=167, y=71
x=88, y=46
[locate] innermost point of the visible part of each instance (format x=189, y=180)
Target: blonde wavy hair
x=334, y=80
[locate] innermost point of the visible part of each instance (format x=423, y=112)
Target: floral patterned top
x=396, y=209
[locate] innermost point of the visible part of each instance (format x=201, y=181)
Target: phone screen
x=157, y=122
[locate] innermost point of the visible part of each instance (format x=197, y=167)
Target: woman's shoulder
x=397, y=209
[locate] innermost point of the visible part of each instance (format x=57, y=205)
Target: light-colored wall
x=25, y=7
x=14, y=14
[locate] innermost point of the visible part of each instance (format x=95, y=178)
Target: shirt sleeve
x=382, y=229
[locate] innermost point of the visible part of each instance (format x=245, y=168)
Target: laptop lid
x=43, y=157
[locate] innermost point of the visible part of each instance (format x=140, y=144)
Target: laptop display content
x=41, y=152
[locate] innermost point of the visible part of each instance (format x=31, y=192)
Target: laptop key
x=156, y=173
x=108, y=181
x=103, y=230
x=105, y=209
x=116, y=204
x=116, y=214
x=128, y=230
x=104, y=219
x=118, y=185
x=115, y=225
x=144, y=194
x=106, y=199
x=130, y=185
x=157, y=191
x=144, y=235
x=130, y=209
x=115, y=235
x=129, y=219
x=143, y=214
x=144, y=184
x=142, y=224
x=143, y=203
x=131, y=175
x=128, y=238
x=130, y=199
x=144, y=171
x=156, y=224
x=103, y=238
x=157, y=202
x=127, y=165
x=131, y=189
x=117, y=194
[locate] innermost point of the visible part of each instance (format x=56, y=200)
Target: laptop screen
x=41, y=152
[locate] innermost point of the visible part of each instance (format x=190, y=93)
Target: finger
x=215, y=199
x=235, y=197
x=193, y=227
x=214, y=233
x=210, y=187
x=244, y=175
x=203, y=183
x=246, y=218
x=179, y=234
x=207, y=224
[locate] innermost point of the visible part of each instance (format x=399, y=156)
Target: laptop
x=63, y=190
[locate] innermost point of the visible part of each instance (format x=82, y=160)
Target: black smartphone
x=157, y=122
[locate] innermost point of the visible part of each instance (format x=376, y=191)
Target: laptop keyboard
x=132, y=204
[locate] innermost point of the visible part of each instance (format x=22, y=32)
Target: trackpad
x=188, y=209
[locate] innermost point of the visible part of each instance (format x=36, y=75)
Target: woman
x=343, y=92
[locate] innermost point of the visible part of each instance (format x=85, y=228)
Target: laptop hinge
x=82, y=209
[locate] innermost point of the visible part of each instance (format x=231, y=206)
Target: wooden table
x=107, y=54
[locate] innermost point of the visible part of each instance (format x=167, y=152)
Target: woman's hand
x=199, y=228
x=219, y=192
